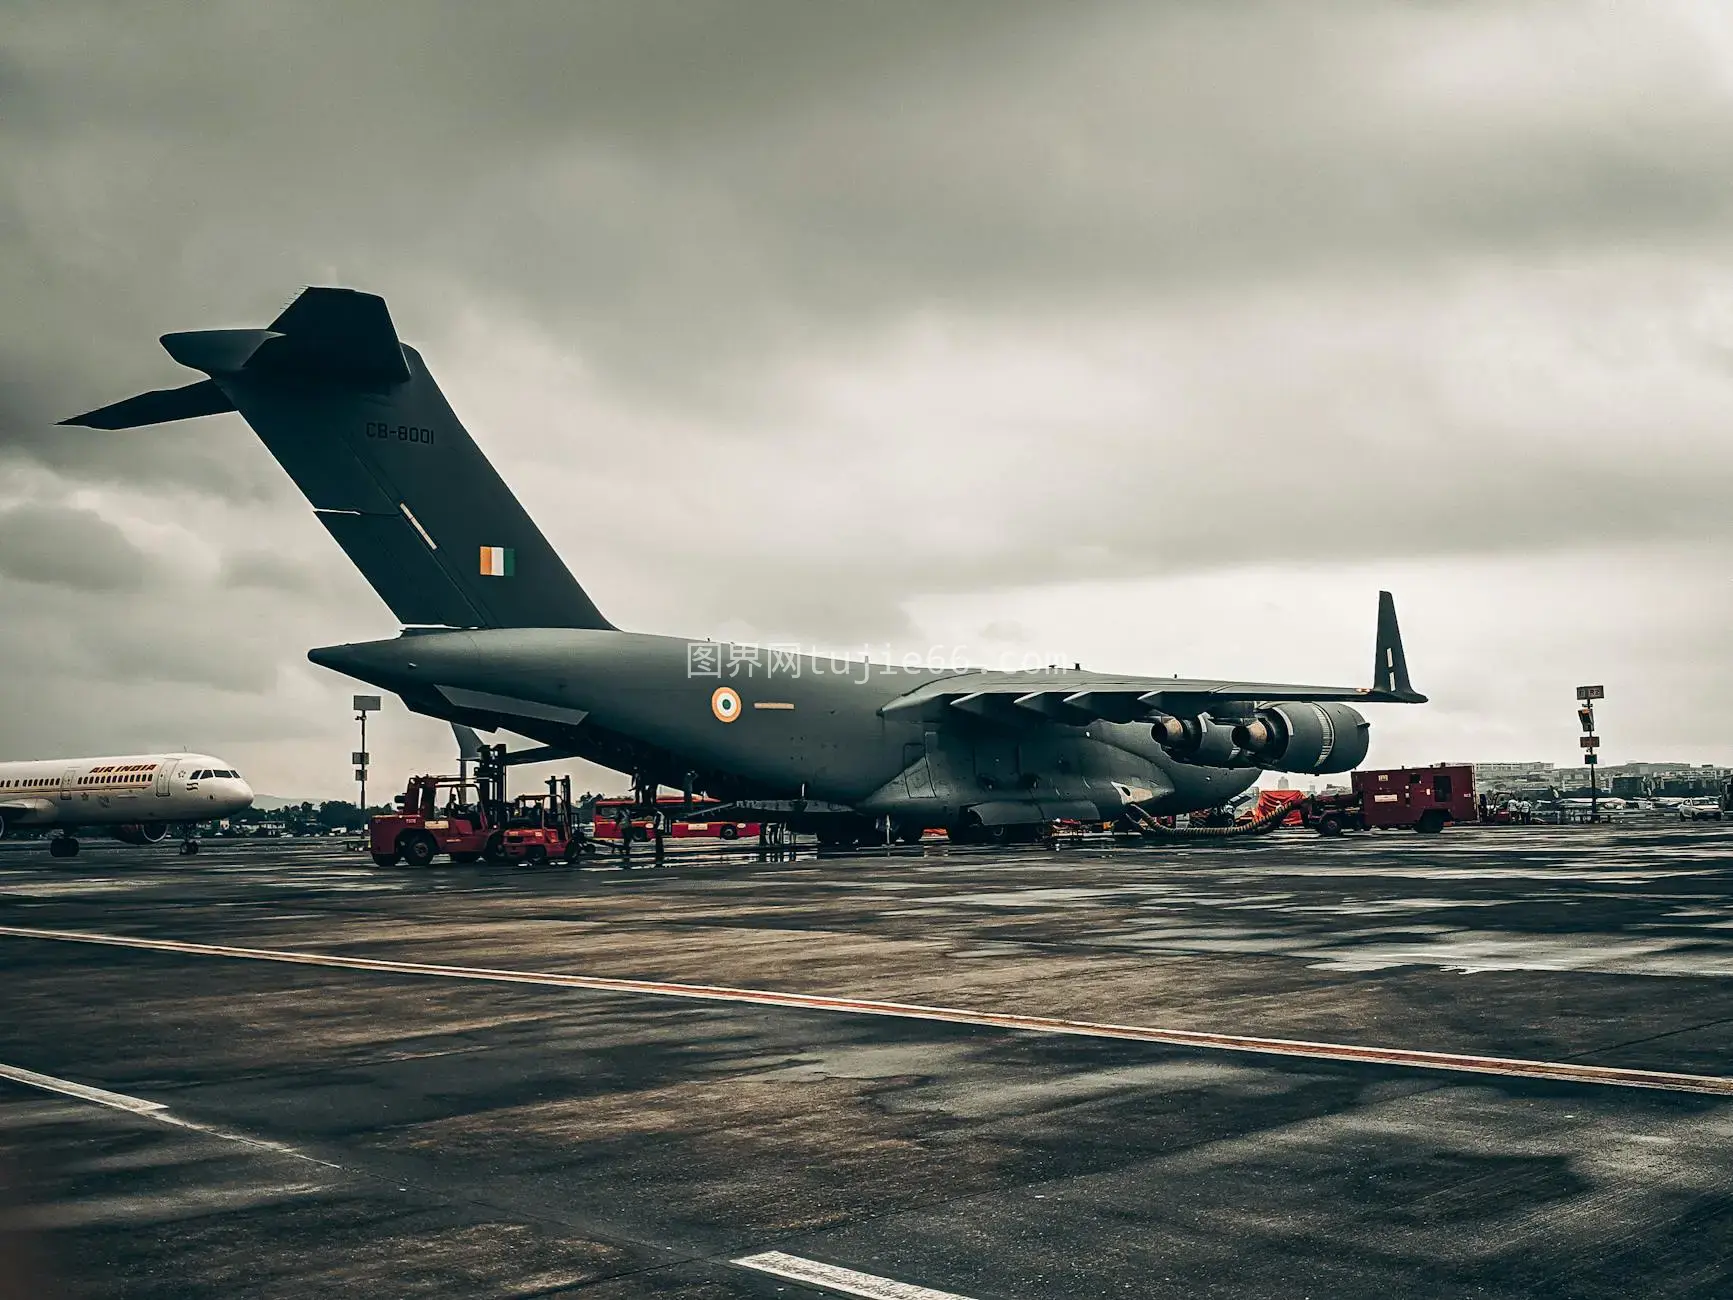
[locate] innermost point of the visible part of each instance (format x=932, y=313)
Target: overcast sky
x=1154, y=336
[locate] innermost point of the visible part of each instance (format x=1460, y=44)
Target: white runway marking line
x=83, y=1091
x=1413, y=1058
x=140, y=1106
x=845, y=1280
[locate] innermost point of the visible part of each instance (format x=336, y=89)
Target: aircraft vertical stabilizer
x=360, y=425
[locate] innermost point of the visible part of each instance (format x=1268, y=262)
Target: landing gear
x=63, y=846
x=189, y=847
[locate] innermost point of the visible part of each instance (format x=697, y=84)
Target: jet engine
x=140, y=833
x=1305, y=737
x=1200, y=740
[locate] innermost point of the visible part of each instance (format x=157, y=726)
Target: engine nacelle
x=1200, y=740
x=140, y=833
x=1304, y=736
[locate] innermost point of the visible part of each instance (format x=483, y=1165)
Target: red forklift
x=436, y=814
x=541, y=827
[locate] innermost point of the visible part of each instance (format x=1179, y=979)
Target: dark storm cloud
x=789, y=313
x=58, y=547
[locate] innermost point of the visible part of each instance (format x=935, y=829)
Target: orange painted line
x=1413, y=1058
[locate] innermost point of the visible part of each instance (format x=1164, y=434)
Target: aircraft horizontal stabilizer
x=159, y=407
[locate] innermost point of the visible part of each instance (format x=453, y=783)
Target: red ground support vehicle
x=1424, y=798
x=540, y=827
x=610, y=813
x=435, y=815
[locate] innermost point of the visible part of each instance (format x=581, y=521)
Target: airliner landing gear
x=62, y=846
x=189, y=847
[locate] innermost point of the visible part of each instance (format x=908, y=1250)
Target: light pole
x=1591, y=743
x=364, y=704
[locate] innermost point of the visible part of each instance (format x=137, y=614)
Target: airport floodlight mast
x=364, y=704
x=1591, y=743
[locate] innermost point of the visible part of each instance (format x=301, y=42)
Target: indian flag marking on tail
x=498, y=561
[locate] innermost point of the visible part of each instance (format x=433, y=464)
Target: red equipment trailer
x=1423, y=798
x=611, y=814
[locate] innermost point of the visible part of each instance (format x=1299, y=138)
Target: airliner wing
x=1081, y=698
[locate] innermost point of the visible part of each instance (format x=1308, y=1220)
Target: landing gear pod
x=1305, y=737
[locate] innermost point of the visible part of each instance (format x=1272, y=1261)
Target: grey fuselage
x=798, y=727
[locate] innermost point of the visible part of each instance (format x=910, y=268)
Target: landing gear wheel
x=189, y=847
x=417, y=848
x=495, y=850
x=1330, y=824
x=63, y=846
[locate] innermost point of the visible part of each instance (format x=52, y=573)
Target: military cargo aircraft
x=497, y=633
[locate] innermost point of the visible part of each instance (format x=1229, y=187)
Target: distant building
x=1528, y=773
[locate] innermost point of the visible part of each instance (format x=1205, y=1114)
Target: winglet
x=1390, y=668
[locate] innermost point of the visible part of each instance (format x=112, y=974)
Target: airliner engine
x=1305, y=737
x=140, y=833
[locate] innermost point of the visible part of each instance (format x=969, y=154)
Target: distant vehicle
x=136, y=798
x=1700, y=810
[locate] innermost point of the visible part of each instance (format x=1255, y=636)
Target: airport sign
x=366, y=704
x=1589, y=742
x=359, y=758
x=1591, y=758
x=1591, y=692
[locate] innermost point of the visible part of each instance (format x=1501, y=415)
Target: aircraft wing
x=1081, y=698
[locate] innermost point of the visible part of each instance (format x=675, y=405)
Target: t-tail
x=355, y=418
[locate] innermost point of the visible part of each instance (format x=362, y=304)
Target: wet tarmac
x=992, y=1074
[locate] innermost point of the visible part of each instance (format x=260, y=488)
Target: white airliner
x=136, y=798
